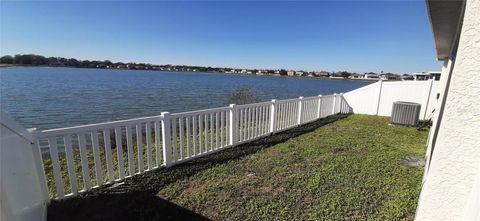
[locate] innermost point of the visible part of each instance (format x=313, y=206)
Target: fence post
x=37, y=157
x=340, y=96
x=299, y=115
x=379, y=96
x=273, y=106
x=319, y=109
x=233, y=125
x=166, y=139
x=426, y=99
x=334, y=103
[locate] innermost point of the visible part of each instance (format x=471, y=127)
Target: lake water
x=46, y=98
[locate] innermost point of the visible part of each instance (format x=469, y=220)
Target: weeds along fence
x=84, y=157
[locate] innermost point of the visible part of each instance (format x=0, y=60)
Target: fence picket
x=121, y=164
x=241, y=131
x=148, y=137
x=84, y=161
x=96, y=158
x=257, y=124
x=205, y=117
x=187, y=122
x=200, y=134
x=157, y=143
x=131, y=160
x=108, y=157
x=216, y=130
x=180, y=124
x=232, y=124
x=174, y=139
x=194, y=136
x=265, y=120
x=70, y=163
x=57, y=175
x=222, y=128
x=211, y=131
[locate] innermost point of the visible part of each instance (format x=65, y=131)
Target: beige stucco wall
x=451, y=182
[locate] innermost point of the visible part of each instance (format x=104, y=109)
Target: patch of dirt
x=192, y=189
x=414, y=161
x=223, y=195
x=259, y=191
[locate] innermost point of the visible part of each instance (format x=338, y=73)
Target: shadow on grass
x=136, y=199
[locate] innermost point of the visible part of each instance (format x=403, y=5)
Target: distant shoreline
x=31, y=60
x=170, y=71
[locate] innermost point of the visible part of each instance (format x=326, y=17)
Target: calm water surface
x=48, y=98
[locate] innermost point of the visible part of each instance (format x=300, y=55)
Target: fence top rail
x=409, y=82
x=287, y=100
x=328, y=96
x=266, y=103
x=313, y=98
x=99, y=126
x=198, y=112
x=362, y=88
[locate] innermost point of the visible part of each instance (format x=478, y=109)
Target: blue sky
x=344, y=35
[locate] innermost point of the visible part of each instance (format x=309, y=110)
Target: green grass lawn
x=350, y=169
x=339, y=168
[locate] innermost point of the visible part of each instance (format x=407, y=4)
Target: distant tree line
x=39, y=60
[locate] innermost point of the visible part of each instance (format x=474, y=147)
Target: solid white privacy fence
x=84, y=157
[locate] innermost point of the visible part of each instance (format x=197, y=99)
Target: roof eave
x=445, y=19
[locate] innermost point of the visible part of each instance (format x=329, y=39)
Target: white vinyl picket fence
x=85, y=157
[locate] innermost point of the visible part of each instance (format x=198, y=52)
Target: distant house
x=407, y=77
x=245, y=71
x=299, y=73
x=370, y=76
x=313, y=73
x=421, y=76
x=290, y=73
x=336, y=75
x=435, y=75
x=356, y=76
x=323, y=74
x=390, y=77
